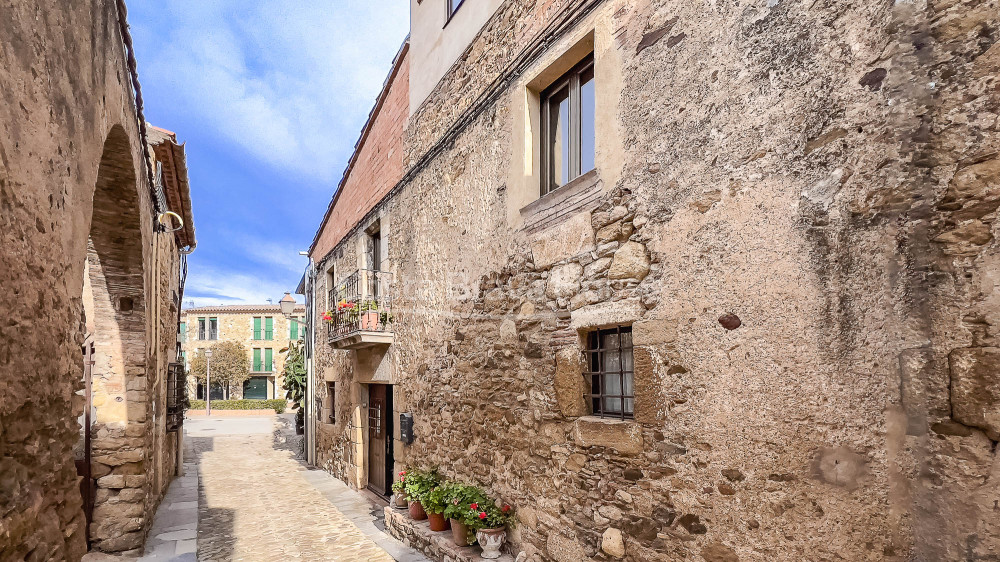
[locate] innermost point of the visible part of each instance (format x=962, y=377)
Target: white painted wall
x=434, y=46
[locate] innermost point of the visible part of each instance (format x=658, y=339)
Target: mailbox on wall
x=406, y=428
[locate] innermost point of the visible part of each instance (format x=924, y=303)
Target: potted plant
x=418, y=484
x=491, y=523
x=370, y=316
x=460, y=514
x=434, y=503
x=399, y=490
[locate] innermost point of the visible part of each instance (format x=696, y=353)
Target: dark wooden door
x=379, y=438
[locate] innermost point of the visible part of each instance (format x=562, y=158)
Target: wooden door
x=379, y=438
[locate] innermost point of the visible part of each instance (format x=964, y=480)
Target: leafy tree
x=230, y=364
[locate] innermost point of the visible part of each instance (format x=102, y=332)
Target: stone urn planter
x=459, y=532
x=399, y=501
x=438, y=522
x=417, y=512
x=491, y=540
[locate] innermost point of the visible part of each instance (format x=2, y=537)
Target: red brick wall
x=378, y=165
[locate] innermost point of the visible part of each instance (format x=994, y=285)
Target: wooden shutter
x=293, y=329
x=268, y=359
x=256, y=360
x=269, y=328
x=256, y=327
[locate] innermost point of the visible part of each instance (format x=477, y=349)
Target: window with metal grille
x=609, y=358
x=330, y=404
x=568, y=128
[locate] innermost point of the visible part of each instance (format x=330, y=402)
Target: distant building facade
x=261, y=329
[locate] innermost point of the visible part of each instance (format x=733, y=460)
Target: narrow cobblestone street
x=256, y=505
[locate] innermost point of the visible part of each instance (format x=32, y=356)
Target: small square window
x=611, y=373
x=568, y=133
x=330, y=402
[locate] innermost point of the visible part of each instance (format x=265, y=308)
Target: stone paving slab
x=256, y=504
x=175, y=525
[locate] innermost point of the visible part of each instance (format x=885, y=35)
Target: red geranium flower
x=474, y=506
x=505, y=508
x=482, y=515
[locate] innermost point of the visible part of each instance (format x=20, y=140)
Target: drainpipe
x=310, y=414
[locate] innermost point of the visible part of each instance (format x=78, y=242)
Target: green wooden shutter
x=256, y=328
x=293, y=330
x=268, y=359
x=256, y=360
x=184, y=331
x=269, y=328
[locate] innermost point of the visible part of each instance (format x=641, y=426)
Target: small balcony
x=362, y=316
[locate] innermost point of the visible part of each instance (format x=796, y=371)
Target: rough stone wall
x=73, y=169
x=823, y=173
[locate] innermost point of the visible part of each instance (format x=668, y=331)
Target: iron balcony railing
x=364, y=304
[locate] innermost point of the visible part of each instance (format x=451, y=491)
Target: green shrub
x=419, y=483
x=278, y=405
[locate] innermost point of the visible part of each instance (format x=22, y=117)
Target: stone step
x=435, y=545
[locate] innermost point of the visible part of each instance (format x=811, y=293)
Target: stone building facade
x=95, y=229
x=260, y=328
x=791, y=213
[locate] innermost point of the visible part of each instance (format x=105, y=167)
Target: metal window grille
x=611, y=374
x=176, y=395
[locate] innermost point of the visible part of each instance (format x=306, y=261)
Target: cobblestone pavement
x=256, y=505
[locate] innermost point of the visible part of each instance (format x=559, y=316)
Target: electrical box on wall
x=406, y=428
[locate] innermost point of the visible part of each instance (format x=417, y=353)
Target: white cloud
x=208, y=286
x=289, y=82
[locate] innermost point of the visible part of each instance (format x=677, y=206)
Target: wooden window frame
x=570, y=80
x=596, y=373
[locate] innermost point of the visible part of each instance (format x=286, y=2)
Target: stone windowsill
x=624, y=436
x=581, y=194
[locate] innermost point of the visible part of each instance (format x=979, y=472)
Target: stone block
x=565, y=549
x=975, y=388
x=630, y=262
x=569, y=383
x=625, y=437
x=654, y=331
x=648, y=390
x=121, y=457
x=612, y=543
x=840, y=466
x=563, y=241
x=564, y=281
x=608, y=313
x=113, y=481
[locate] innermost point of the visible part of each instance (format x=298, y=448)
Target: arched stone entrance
x=114, y=300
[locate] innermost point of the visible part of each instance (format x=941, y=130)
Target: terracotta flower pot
x=491, y=540
x=437, y=521
x=369, y=321
x=459, y=532
x=417, y=512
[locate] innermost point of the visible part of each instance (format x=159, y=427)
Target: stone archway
x=114, y=297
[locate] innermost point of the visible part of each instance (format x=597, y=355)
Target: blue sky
x=269, y=98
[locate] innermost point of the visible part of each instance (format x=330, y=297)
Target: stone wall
x=81, y=256
x=795, y=216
